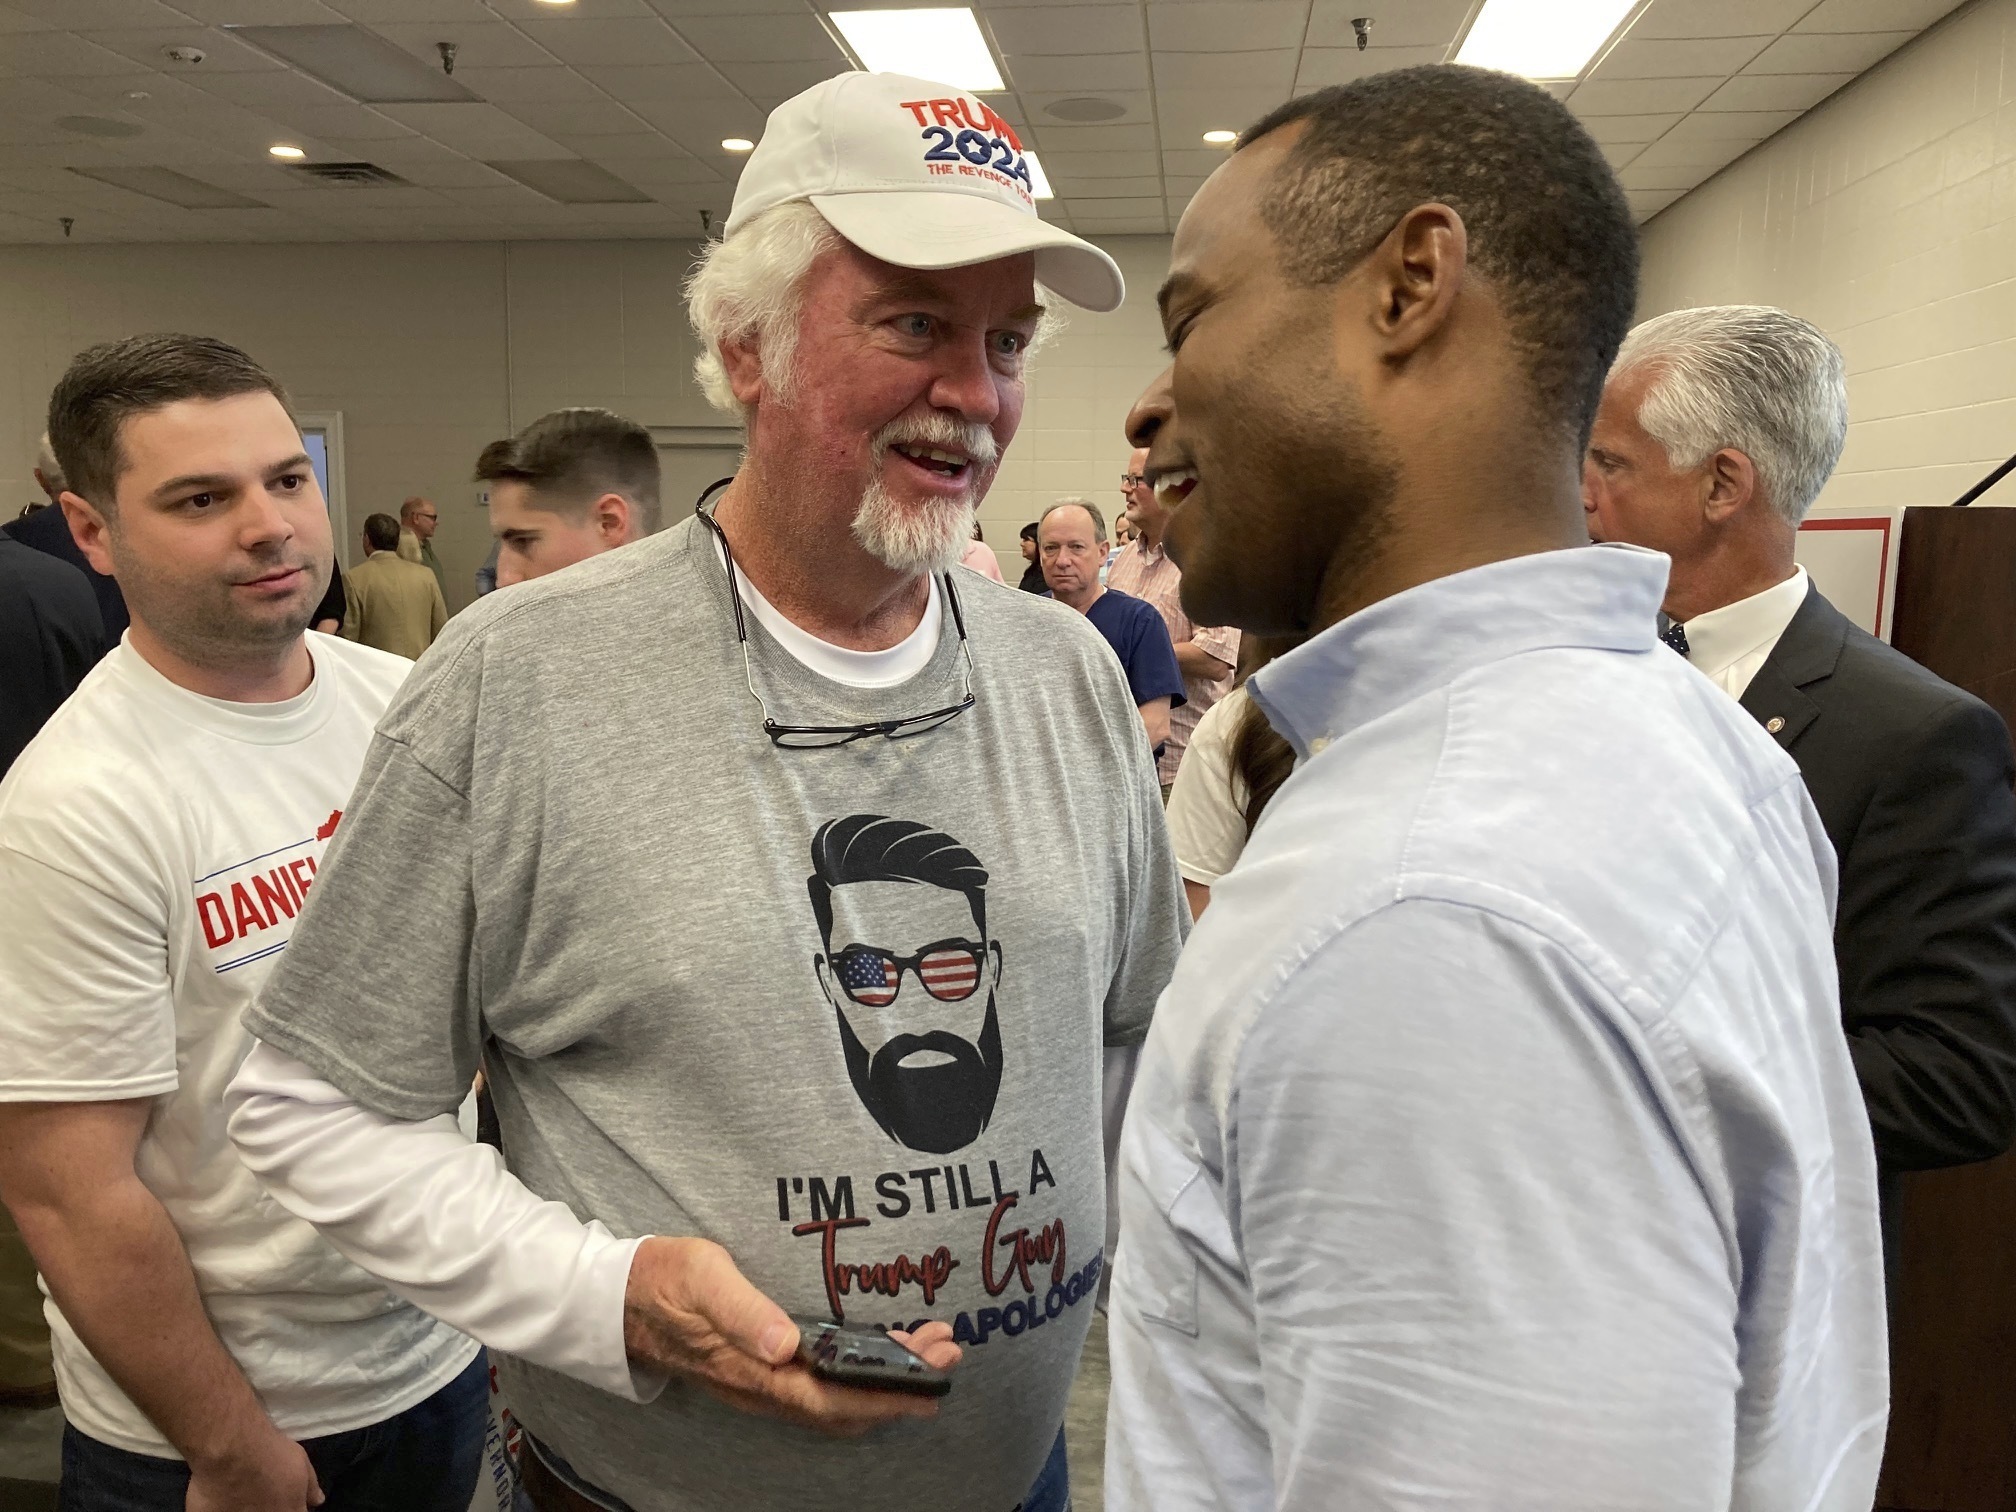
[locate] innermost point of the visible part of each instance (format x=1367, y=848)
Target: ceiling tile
x=699, y=125
x=1707, y=156
x=1324, y=66
x=1775, y=91
x=223, y=53
x=1874, y=15
x=476, y=129
x=1077, y=166
x=349, y=122
x=99, y=15
x=56, y=55
x=1084, y=75
x=1598, y=97
x=584, y=40
x=1676, y=59
x=1619, y=154
x=1225, y=25
x=523, y=10
x=578, y=118
x=1120, y=225
x=1238, y=70
x=1717, y=18
x=486, y=44
x=771, y=84
x=555, y=84
x=1420, y=23
x=1187, y=114
x=279, y=86
x=1137, y=105
x=661, y=81
x=1730, y=125
x=1646, y=203
x=1827, y=52
x=1077, y=190
x=371, y=12
x=1638, y=176
x=1054, y=138
x=1049, y=31
x=760, y=39
x=1195, y=162
x=1613, y=130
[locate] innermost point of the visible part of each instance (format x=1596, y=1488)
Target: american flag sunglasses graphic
x=949, y=970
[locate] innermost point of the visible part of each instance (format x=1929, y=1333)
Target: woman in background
x=1235, y=763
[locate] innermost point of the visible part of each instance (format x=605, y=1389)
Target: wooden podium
x=1952, y=1444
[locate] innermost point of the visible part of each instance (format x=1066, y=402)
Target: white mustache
x=975, y=440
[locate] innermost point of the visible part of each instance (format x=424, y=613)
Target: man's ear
x=612, y=518
x=89, y=529
x=819, y=970
x=995, y=947
x=1415, y=275
x=1732, y=483
x=743, y=364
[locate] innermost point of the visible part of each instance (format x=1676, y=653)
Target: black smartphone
x=866, y=1357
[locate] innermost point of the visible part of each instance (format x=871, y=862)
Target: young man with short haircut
x=157, y=840
x=571, y=485
x=1495, y=1145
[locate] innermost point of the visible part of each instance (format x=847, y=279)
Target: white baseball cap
x=920, y=175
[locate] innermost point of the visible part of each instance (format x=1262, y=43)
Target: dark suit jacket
x=1912, y=778
x=50, y=636
x=47, y=531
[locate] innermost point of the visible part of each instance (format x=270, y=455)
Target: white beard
x=930, y=536
x=916, y=538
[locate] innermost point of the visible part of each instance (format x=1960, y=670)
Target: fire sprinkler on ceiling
x=1362, y=25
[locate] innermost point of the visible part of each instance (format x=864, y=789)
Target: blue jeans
x=423, y=1460
x=1051, y=1493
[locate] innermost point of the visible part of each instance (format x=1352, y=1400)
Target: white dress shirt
x=1496, y=1147
x=1729, y=644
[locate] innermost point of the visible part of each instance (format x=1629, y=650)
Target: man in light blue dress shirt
x=1496, y=1145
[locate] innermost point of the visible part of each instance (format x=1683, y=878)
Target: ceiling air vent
x=349, y=173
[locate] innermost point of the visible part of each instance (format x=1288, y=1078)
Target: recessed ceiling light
x=926, y=44
x=1221, y=138
x=1039, y=182
x=282, y=150
x=556, y=2
x=737, y=144
x=1541, y=39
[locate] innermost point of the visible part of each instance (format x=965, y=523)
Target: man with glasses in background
x=787, y=1008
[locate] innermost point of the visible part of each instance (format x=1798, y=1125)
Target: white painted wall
x=431, y=350
x=1888, y=218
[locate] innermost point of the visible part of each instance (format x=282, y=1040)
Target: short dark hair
x=875, y=848
x=381, y=532
x=1029, y=531
x=1548, y=224
x=572, y=457
x=107, y=385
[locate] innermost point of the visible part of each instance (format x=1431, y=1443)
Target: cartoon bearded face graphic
x=911, y=976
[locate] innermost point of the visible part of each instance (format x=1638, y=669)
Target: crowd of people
x=1585, y=936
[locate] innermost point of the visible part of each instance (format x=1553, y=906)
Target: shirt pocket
x=1159, y=1264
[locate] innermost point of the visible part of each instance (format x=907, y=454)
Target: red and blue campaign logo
x=967, y=138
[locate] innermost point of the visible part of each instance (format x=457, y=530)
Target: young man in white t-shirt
x=157, y=840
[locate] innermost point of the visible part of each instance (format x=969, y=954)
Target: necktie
x=1675, y=635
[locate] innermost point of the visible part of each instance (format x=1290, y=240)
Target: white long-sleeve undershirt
x=439, y=1219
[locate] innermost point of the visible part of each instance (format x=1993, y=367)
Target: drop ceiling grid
x=645, y=89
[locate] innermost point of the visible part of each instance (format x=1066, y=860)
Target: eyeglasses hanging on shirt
x=815, y=737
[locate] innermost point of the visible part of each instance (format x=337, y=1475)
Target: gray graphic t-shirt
x=840, y=1010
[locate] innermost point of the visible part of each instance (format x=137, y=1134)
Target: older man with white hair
x=788, y=1010
x=1717, y=431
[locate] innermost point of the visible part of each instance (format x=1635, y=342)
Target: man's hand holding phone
x=689, y=1311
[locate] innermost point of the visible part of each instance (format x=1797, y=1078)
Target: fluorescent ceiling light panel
x=361, y=64
x=1039, y=181
x=173, y=188
x=573, y=181
x=926, y=44
x=1541, y=39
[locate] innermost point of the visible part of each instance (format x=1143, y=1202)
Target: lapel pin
x=1775, y=723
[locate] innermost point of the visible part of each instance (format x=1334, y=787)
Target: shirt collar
x=1598, y=597
x=1719, y=639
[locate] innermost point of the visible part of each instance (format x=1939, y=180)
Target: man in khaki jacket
x=390, y=603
